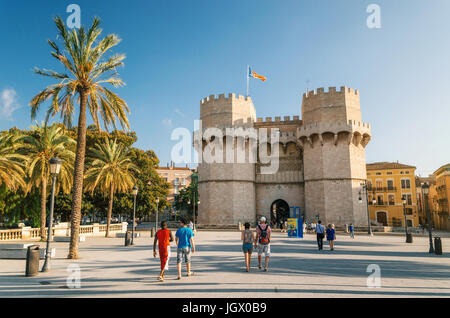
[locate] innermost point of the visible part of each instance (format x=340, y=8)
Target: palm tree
x=110, y=170
x=11, y=163
x=83, y=57
x=44, y=143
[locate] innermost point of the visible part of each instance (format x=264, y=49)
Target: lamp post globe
x=55, y=168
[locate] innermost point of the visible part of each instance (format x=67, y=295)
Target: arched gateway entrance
x=279, y=211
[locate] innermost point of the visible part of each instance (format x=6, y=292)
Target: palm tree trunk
x=110, y=206
x=78, y=173
x=43, y=207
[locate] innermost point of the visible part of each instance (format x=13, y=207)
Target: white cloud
x=167, y=122
x=8, y=103
x=179, y=112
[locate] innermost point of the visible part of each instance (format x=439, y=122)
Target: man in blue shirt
x=351, y=229
x=185, y=245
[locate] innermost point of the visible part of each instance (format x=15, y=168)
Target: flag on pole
x=255, y=75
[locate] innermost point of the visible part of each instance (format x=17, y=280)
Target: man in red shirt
x=163, y=238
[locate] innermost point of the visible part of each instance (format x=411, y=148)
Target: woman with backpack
x=247, y=238
x=262, y=242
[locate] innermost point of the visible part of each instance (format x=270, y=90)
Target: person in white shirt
x=320, y=232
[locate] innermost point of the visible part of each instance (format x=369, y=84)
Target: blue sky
x=181, y=51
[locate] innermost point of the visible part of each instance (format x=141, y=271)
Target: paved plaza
x=297, y=269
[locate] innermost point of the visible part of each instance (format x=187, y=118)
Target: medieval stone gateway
x=321, y=160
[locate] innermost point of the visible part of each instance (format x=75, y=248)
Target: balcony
x=382, y=189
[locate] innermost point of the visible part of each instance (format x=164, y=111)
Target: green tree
x=110, y=170
x=184, y=200
x=150, y=185
x=11, y=163
x=83, y=57
x=42, y=144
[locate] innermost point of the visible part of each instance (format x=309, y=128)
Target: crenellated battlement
x=223, y=97
x=331, y=91
x=334, y=125
x=278, y=120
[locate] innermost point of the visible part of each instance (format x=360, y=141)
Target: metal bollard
x=152, y=232
x=32, y=262
x=127, y=238
x=409, y=238
x=437, y=246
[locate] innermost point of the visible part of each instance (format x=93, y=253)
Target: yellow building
x=432, y=198
x=440, y=207
x=387, y=184
x=178, y=177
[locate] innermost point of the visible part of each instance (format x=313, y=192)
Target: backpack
x=263, y=236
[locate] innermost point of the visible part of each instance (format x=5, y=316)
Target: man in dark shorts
x=320, y=232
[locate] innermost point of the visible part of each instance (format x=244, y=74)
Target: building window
x=408, y=199
x=378, y=173
x=390, y=184
x=380, y=199
x=389, y=172
x=379, y=184
x=391, y=199
x=406, y=184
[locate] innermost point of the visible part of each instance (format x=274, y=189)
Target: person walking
x=262, y=242
x=320, y=233
x=163, y=238
x=331, y=236
x=351, y=229
x=247, y=237
x=285, y=225
x=185, y=246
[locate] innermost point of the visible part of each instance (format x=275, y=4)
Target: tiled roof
x=387, y=165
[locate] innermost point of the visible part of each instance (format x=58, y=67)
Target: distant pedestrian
x=185, y=246
x=320, y=232
x=351, y=229
x=163, y=238
x=331, y=236
x=191, y=225
x=262, y=242
x=247, y=237
x=285, y=226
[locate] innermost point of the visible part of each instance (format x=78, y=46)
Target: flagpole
x=248, y=72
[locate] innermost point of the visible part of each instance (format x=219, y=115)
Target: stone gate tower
x=333, y=139
x=227, y=190
x=321, y=161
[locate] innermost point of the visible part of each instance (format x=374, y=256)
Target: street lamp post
x=364, y=188
x=408, y=238
x=156, y=220
x=135, y=192
x=55, y=168
x=426, y=188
